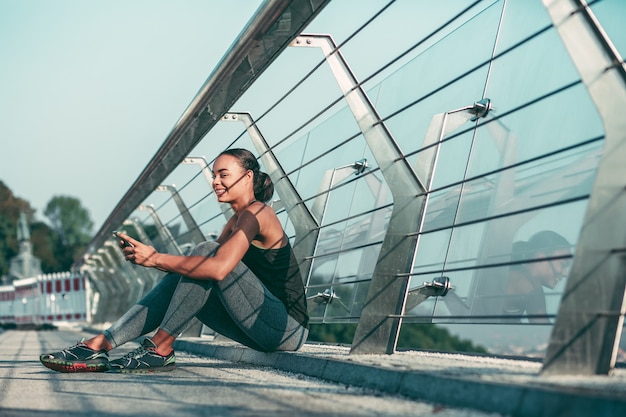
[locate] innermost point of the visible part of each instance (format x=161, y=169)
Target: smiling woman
x=246, y=285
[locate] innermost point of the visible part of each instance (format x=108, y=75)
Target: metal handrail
x=267, y=34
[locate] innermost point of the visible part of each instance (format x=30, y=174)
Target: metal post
x=589, y=323
x=377, y=332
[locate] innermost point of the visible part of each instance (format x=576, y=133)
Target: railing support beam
x=590, y=319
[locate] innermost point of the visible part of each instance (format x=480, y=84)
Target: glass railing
x=483, y=103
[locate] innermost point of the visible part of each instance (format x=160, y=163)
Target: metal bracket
x=327, y=297
x=438, y=287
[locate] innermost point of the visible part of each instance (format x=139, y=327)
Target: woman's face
x=553, y=271
x=230, y=180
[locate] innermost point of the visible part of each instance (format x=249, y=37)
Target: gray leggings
x=239, y=307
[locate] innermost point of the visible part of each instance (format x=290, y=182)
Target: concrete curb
x=506, y=398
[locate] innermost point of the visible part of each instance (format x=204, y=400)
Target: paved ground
x=200, y=386
x=504, y=386
x=222, y=378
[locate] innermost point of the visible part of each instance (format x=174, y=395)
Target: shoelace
x=67, y=352
x=137, y=352
x=79, y=344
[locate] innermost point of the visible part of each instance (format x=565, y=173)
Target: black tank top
x=278, y=270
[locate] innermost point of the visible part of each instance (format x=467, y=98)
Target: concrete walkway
x=200, y=386
x=505, y=386
x=222, y=378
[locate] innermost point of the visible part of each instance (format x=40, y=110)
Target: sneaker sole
x=74, y=367
x=142, y=370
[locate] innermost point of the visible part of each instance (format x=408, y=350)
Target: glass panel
x=531, y=70
x=322, y=272
x=221, y=137
x=493, y=245
x=151, y=230
x=348, y=301
x=562, y=176
x=441, y=210
x=513, y=340
x=317, y=91
x=314, y=178
x=197, y=189
x=414, y=22
x=354, y=265
x=496, y=182
x=521, y=19
x=441, y=63
x=409, y=128
x=488, y=264
x=287, y=224
x=431, y=254
x=357, y=195
x=290, y=154
x=356, y=232
x=213, y=226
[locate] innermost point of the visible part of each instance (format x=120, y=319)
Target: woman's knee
x=207, y=248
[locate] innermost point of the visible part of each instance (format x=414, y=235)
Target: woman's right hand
x=137, y=252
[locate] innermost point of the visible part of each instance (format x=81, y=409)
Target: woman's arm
x=216, y=267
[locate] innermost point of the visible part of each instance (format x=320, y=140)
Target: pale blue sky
x=89, y=90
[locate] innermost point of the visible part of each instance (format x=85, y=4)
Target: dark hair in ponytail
x=263, y=186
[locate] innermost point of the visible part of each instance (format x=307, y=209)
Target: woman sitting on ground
x=246, y=285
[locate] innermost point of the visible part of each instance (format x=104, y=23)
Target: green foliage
x=44, y=241
x=57, y=245
x=10, y=208
x=71, y=227
x=69, y=220
x=341, y=333
x=431, y=337
x=412, y=336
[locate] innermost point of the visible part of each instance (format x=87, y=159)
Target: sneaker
x=144, y=359
x=78, y=358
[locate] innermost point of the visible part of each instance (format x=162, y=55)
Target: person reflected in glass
x=246, y=285
x=541, y=262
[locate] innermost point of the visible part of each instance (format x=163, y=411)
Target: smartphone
x=125, y=242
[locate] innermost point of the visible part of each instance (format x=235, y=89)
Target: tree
x=44, y=244
x=58, y=245
x=70, y=220
x=72, y=224
x=10, y=208
x=429, y=336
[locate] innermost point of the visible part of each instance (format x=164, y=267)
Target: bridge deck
x=218, y=377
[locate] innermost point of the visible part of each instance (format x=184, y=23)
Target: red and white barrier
x=44, y=300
